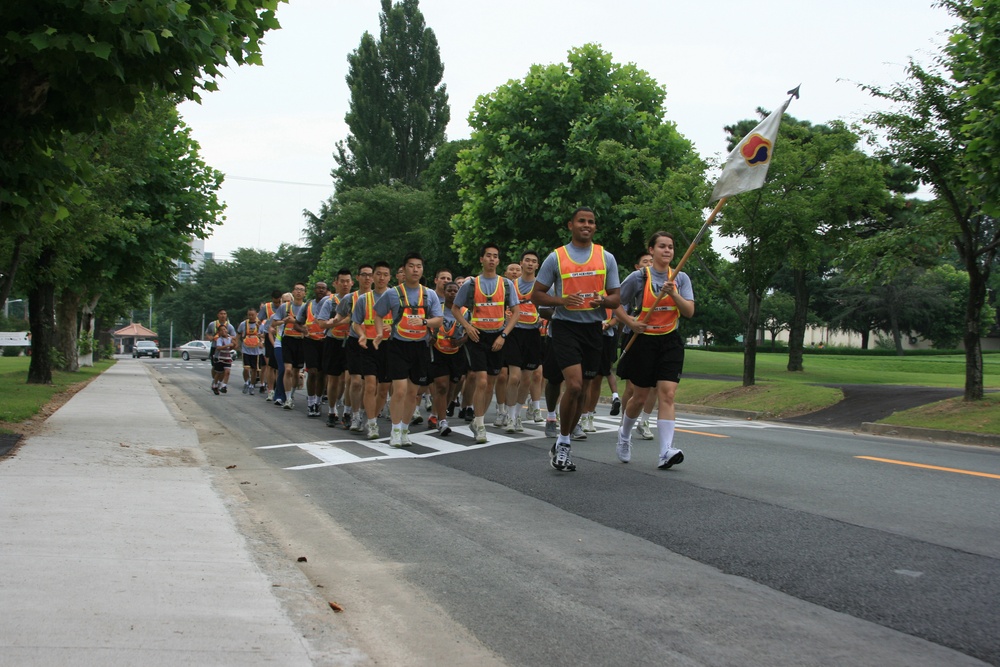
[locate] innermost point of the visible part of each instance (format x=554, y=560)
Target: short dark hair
x=640, y=255
x=412, y=255
x=442, y=270
x=365, y=266
x=486, y=246
x=581, y=208
x=381, y=264
x=344, y=272
x=529, y=252
x=276, y=294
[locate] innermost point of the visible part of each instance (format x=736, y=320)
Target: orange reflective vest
x=408, y=310
x=250, y=336
x=663, y=318
x=587, y=279
x=369, y=322
x=314, y=329
x=488, y=312
x=340, y=331
x=291, y=332
x=528, y=312
x=445, y=341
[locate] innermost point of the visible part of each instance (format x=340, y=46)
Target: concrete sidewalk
x=119, y=545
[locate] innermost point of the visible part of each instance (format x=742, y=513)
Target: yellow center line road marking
x=710, y=435
x=921, y=465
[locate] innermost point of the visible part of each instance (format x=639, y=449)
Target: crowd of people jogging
x=547, y=330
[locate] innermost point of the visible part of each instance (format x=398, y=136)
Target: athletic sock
x=665, y=429
x=537, y=405
x=614, y=395
x=551, y=416
x=562, y=439
x=644, y=416
x=627, y=424
x=513, y=411
x=477, y=422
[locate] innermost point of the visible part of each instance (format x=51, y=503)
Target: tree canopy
x=588, y=133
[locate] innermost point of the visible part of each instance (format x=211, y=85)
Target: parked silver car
x=145, y=348
x=195, y=349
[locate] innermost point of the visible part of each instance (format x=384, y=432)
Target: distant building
x=187, y=270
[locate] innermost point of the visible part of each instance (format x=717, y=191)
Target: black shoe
x=470, y=414
x=223, y=390
x=215, y=390
x=346, y=420
x=616, y=406
x=331, y=420
x=451, y=408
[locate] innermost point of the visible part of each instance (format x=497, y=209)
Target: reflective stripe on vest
x=340, y=331
x=251, y=339
x=587, y=279
x=292, y=332
x=407, y=311
x=370, y=318
x=314, y=329
x=664, y=317
x=527, y=312
x=488, y=312
x=445, y=341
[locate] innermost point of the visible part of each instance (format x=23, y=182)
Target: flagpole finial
x=794, y=92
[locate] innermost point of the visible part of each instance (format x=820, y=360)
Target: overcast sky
x=272, y=129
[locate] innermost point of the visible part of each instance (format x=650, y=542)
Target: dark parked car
x=145, y=348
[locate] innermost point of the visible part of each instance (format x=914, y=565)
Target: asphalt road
x=771, y=544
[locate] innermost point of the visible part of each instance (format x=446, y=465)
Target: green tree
x=819, y=187
x=590, y=133
x=928, y=129
x=399, y=107
x=74, y=67
x=776, y=312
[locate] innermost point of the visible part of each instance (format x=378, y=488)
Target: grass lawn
x=21, y=401
x=953, y=415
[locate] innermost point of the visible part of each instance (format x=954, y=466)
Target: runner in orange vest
x=265, y=313
x=334, y=356
x=252, y=349
x=657, y=356
x=371, y=359
x=415, y=311
x=492, y=315
x=642, y=260
x=352, y=352
x=584, y=280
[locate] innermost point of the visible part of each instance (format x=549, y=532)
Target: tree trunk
x=750, y=339
x=973, y=335
x=865, y=336
x=42, y=313
x=67, y=307
x=897, y=335
x=797, y=332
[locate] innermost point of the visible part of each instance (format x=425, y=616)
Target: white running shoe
x=373, y=431
x=551, y=428
x=406, y=438
x=561, y=458
x=578, y=433
x=642, y=426
x=443, y=428
x=501, y=420
x=480, y=435
x=670, y=459
x=588, y=424
x=396, y=438
x=519, y=425
x=624, y=449
x=270, y=396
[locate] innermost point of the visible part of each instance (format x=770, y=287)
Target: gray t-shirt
x=548, y=274
x=466, y=293
x=391, y=303
x=247, y=328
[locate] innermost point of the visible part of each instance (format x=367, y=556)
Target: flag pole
x=671, y=274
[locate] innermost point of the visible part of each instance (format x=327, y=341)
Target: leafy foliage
x=590, y=133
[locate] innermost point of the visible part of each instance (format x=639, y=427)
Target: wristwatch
x=503, y=334
x=425, y=322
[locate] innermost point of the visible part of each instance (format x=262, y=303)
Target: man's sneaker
x=539, y=415
x=406, y=438
x=331, y=420
x=519, y=425
x=428, y=403
x=501, y=420
x=289, y=404
x=551, y=428
x=578, y=433
x=616, y=406
x=246, y=388
x=624, y=449
x=561, y=458
x=224, y=388
x=278, y=402
x=443, y=428
x=432, y=423
x=451, y=408
x=215, y=390
x=357, y=426
x=642, y=426
x=481, y=435
x=670, y=459
x=270, y=396
x=468, y=414
x=588, y=424
x=312, y=411
x=373, y=431
x=347, y=420
x=253, y=390
x=417, y=417
x=396, y=438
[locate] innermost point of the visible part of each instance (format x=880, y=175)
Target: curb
x=930, y=434
x=750, y=415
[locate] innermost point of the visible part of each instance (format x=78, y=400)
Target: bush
x=12, y=350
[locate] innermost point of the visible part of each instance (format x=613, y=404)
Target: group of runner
x=463, y=341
